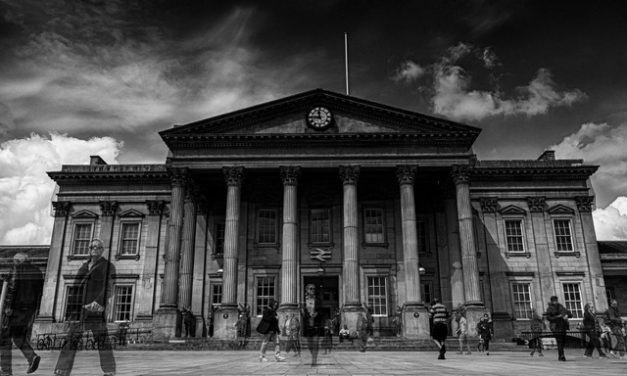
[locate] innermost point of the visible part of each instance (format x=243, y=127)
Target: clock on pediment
x=319, y=118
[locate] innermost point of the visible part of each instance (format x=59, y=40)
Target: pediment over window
x=84, y=214
x=561, y=209
x=513, y=210
x=132, y=213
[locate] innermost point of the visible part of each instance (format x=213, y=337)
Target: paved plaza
x=375, y=363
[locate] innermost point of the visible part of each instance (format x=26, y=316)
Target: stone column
x=584, y=204
x=350, y=273
x=186, y=266
x=48, y=309
x=166, y=318
x=456, y=274
x=149, y=260
x=415, y=319
x=472, y=292
x=537, y=207
x=226, y=315
x=289, y=243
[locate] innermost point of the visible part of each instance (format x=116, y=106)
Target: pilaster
x=289, y=262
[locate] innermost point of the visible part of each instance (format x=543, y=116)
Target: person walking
x=536, y=324
x=292, y=331
x=269, y=327
x=440, y=317
x=462, y=331
x=362, y=331
x=485, y=330
x=558, y=317
x=592, y=329
x=189, y=321
x=25, y=286
x=94, y=278
x=615, y=322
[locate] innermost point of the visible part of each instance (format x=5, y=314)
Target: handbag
x=263, y=327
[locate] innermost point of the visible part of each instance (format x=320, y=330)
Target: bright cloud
x=611, y=222
x=408, y=72
x=26, y=190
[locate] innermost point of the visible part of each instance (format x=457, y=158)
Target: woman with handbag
x=269, y=327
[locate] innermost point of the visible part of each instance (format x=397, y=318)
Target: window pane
x=82, y=237
x=216, y=293
x=219, y=239
x=320, y=226
x=522, y=300
x=123, y=303
x=426, y=292
x=373, y=223
x=265, y=291
x=377, y=295
x=572, y=299
x=267, y=227
x=562, y=235
x=513, y=232
x=130, y=238
x=73, y=303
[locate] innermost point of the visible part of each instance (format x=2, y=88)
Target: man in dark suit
x=558, y=317
x=94, y=278
x=25, y=286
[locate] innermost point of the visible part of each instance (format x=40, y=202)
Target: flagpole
x=346, y=60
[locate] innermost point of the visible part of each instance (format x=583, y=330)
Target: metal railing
x=89, y=340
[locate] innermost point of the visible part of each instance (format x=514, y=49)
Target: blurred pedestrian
x=440, y=317
x=558, y=317
x=292, y=332
x=462, y=331
x=615, y=322
x=485, y=330
x=592, y=329
x=537, y=327
x=189, y=321
x=269, y=327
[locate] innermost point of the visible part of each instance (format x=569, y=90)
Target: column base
x=165, y=323
x=415, y=321
x=350, y=315
x=503, y=326
x=200, y=328
x=286, y=310
x=474, y=312
x=224, y=321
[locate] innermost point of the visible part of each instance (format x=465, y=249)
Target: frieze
x=290, y=174
x=349, y=174
x=233, y=175
x=406, y=174
x=108, y=208
x=489, y=204
x=61, y=208
x=460, y=174
x=536, y=204
x=584, y=203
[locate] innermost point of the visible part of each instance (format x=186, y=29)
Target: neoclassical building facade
x=376, y=206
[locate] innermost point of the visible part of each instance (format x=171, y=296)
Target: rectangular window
x=426, y=292
x=82, y=237
x=123, y=303
x=572, y=299
x=421, y=236
x=216, y=293
x=73, y=303
x=265, y=291
x=320, y=226
x=377, y=295
x=373, y=225
x=514, y=235
x=130, y=239
x=219, y=246
x=563, y=237
x=521, y=296
x=267, y=226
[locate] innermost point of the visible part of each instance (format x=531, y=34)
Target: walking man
x=94, y=279
x=25, y=286
x=592, y=328
x=558, y=317
x=440, y=317
x=537, y=327
x=269, y=327
x=615, y=322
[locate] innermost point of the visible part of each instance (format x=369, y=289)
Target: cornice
x=108, y=173
x=578, y=172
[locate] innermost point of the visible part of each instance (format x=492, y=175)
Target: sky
x=104, y=76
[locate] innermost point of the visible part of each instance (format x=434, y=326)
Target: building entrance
x=327, y=298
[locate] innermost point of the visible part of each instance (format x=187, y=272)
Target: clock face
x=319, y=118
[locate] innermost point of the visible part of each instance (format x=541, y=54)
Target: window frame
x=258, y=212
x=79, y=304
x=423, y=285
x=381, y=210
x=330, y=219
x=121, y=239
x=577, y=313
x=386, y=295
x=521, y=227
x=131, y=304
x=258, y=309
x=570, y=234
x=514, y=294
x=82, y=222
x=213, y=293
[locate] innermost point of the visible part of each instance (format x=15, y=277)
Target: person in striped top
x=440, y=317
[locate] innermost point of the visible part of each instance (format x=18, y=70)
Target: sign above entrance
x=320, y=254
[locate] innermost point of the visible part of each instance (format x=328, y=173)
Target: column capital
x=460, y=174
x=289, y=174
x=489, y=204
x=178, y=176
x=349, y=174
x=406, y=174
x=191, y=191
x=61, y=208
x=108, y=208
x=155, y=207
x=584, y=203
x=536, y=204
x=233, y=175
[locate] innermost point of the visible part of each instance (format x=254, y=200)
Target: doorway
x=327, y=293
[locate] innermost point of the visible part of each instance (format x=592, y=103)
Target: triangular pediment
x=350, y=116
x=84, y=214
x=512, y=210
x=561, y=209
x=131, y=213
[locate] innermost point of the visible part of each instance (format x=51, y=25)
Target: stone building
x=375, y=205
